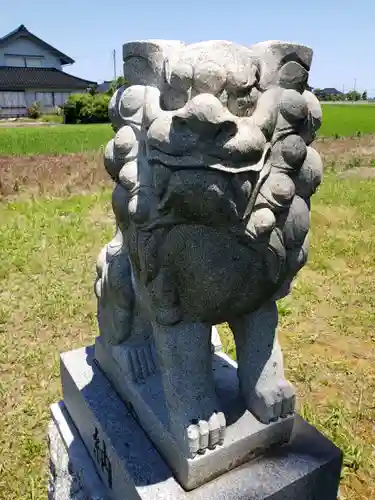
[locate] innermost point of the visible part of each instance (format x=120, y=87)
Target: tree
x=364, y=96
x=93, y=90
x=353, y=95
x=86, y=108
x=116, y=84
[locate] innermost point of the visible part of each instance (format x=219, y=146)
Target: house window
x=34, y=62
x=18, y=61
x=24, y=61
x=45, y=99
x=12, y=100
x=61, y=98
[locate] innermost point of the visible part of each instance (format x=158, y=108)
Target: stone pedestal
x=106, y=454
x=245, y=436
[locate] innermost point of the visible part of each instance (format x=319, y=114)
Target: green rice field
x=339, y=120
x=347, y=120
x=59, y=139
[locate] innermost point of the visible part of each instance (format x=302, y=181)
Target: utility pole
x=355, y=88
x=114, y=65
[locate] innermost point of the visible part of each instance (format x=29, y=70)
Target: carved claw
x=223, y=426
x=214, y=436
x=203, y=435
x=193, y=439
x=288, y=402
x=272, y=402
x=204, y=432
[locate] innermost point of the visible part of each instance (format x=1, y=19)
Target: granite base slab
x=245, y=436
x=130, y=467
x=72, y=473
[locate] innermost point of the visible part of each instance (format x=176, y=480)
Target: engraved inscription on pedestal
x=101, y=457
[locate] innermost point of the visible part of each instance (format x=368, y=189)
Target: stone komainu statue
x=214, y=175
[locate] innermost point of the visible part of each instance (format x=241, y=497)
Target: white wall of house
x=13, y=104
x=39, y=56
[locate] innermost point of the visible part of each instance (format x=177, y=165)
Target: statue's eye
x=243, y=93
x=242, y=102
x=173, y=99
x=226, y=131
x=180, y=125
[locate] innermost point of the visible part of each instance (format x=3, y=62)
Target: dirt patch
x=57, y=175
x=347, y=152
x=12, y=124
x=340, y=215
x=361, y=172
x=27, y=176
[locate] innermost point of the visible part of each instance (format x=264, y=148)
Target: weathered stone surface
x=307, y=468
x=245, y=435
x=213, y=179
x=72, y=473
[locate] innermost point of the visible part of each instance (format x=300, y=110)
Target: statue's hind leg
x=267, y=393
x=185, y=359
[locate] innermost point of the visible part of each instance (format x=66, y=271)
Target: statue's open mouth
x=230, y=164
x=200, y=161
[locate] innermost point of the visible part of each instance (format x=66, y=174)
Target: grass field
x=49, y=248
x=348, y=119
x=339, y=120
x=59, y=139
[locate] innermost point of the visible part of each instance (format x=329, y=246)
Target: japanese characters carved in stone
x=214, y=172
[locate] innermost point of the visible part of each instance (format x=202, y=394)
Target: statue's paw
x=272, y=401
x=203, y=434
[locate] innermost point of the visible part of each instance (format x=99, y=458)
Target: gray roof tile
x=13, y=78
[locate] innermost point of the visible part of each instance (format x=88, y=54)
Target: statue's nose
x=205, y=116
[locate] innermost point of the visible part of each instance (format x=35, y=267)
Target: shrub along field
x=339, y=120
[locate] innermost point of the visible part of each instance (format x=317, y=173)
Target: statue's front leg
x=185, y=360
x=268, y=395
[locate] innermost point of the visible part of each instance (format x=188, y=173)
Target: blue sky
x=341, y=34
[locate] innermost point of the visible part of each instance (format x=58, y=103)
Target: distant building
x=329, y=91
x=103, y=87
x=30, y=71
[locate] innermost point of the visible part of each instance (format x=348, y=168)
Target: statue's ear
x=284, y=64
x=144, y=61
